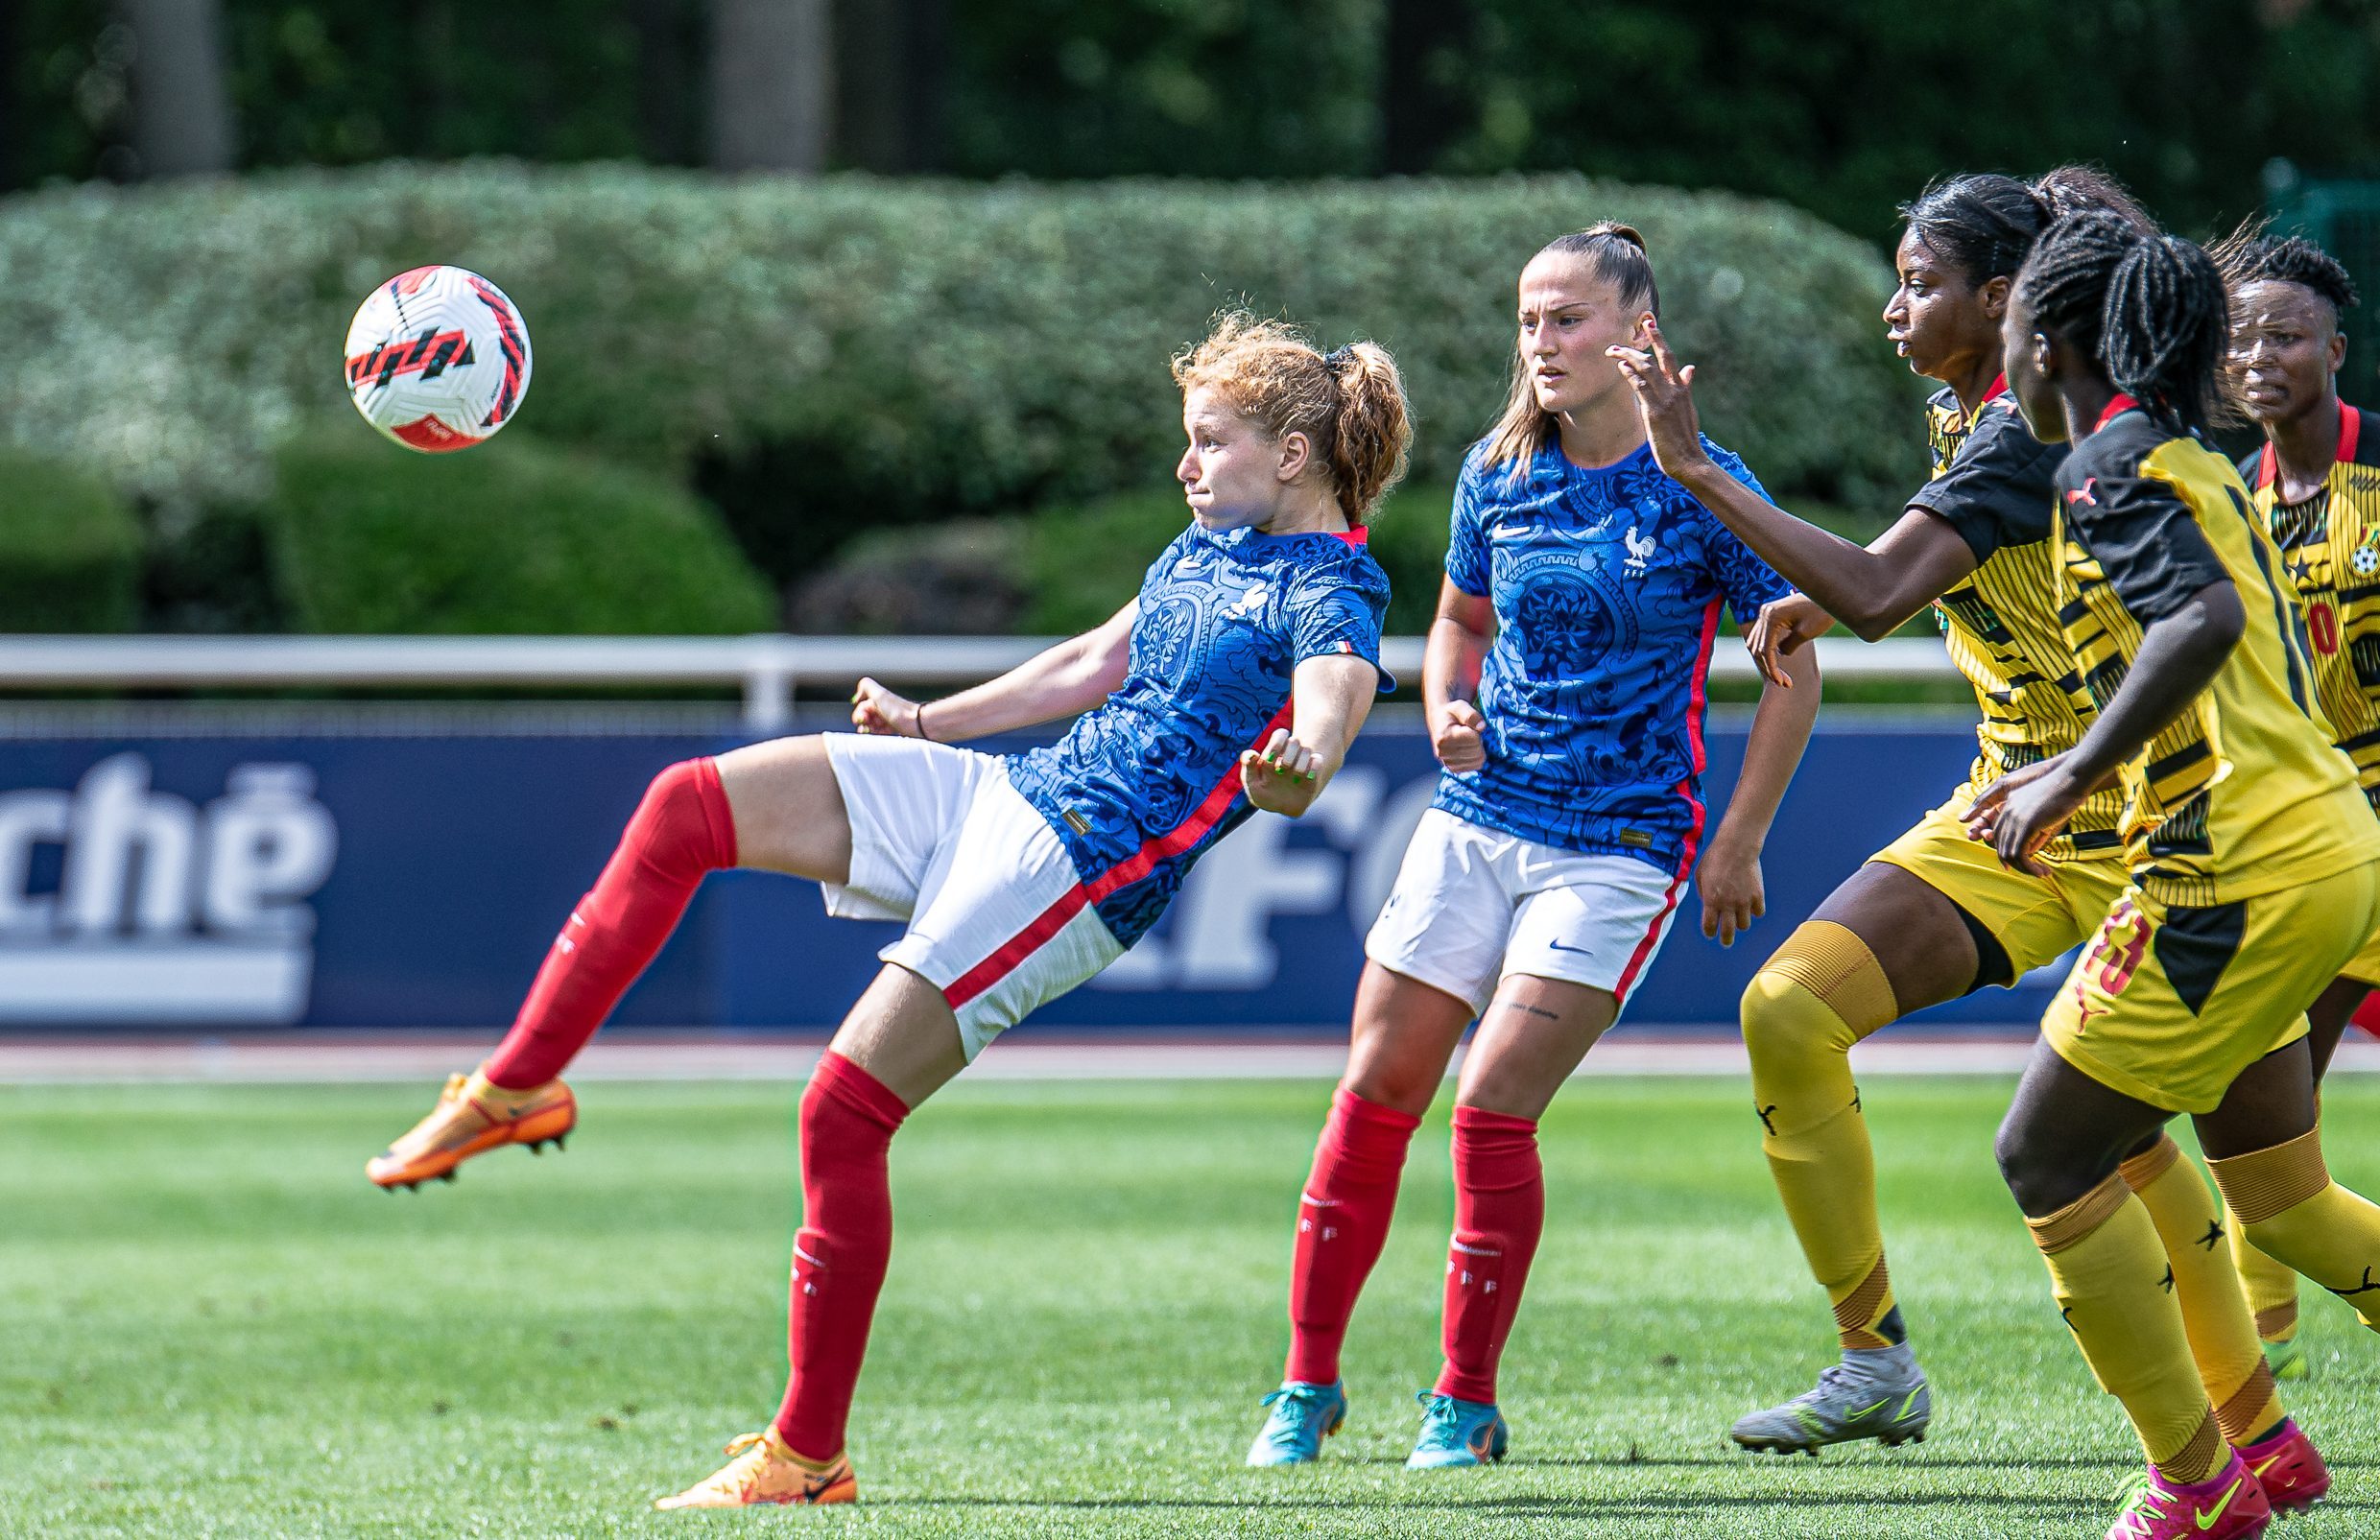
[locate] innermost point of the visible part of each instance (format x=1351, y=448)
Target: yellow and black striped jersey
x=2244, y=793
x=1992, y=482
x=2331, y=544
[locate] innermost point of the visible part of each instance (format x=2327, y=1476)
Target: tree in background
x=892, y=82
x=772, y=85
x=1843, y=106
x=181, y=113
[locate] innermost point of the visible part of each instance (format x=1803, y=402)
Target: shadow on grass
x=1533, y=1506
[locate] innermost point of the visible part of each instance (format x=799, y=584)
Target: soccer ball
x=438, y=359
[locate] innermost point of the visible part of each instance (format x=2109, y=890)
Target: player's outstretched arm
x=1871, y=589
x=2180, y=657
x=1733, y=894
x=1329, y=698
x=1066, y=681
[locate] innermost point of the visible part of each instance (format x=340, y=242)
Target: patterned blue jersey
x=1606, y=586
x=1141, y=787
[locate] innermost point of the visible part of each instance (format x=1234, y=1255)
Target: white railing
x=766, y=666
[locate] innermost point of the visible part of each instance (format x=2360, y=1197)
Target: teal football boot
x=1457, y=1433
x=1304, y=1415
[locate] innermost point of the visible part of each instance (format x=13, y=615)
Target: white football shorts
x=998, y=917
x=1473, y=906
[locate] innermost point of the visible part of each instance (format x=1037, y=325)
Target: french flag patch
x=1347, y=647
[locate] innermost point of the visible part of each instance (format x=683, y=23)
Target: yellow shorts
x=2168, y=1006
x=2364, y=968
x=2036, y=919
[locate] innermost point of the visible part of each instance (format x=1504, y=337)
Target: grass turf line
x=211, y=1326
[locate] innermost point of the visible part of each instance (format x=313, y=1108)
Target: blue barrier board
x=179, y=882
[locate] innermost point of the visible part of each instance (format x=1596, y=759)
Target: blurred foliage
x=1842, y=106
x=70, y=550
x=834, y=355
x=1164, y=87
x=1847, y=108
x=340, y=81
x=1082, y=564
x=1065, y=570
x=513, y=536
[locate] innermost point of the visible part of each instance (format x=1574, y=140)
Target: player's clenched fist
x=875, y=709
x=1455, y=737
x=1283, y=777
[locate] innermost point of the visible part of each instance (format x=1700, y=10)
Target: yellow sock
x=2271, y=1287
x=2214, y=1313
x=2107, y=1269
x=1821, y=992
x=2297, y=1216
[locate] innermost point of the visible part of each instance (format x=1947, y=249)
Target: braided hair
x=2249, y=257
x=1984, y=223
x=2148, y=310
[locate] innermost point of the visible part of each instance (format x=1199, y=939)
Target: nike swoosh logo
x=1511, y=531
x=1865, y=1410
x=2206, y=1520
x=1582, y=951
x=2259, y=1470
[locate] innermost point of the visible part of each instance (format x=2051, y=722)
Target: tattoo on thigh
x=1523, y=1005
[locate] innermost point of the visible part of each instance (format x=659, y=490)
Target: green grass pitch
x=211, y=1326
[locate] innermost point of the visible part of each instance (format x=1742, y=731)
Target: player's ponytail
x=2150, y=311
x=1349, y=404
x=1374, y=430
x=1615, y=254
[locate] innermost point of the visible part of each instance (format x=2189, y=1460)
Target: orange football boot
x=764, y=1471
x=473, y=1116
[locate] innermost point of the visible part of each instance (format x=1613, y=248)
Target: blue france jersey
x=1141, y=787
x=1606, y=586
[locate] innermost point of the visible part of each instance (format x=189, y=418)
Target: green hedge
x=925, y=349
x=512, y=537
x=70, y=551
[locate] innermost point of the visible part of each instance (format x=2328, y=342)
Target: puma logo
x=1763, y=1114
x=2350, y=1294
x=2212, y=1238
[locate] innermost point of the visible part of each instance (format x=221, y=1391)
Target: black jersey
x=1994, y=483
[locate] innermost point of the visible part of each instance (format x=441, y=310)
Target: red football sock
x=1343, y=1221
x=848, y=1121
x=1499, y=1213
x=681, y=830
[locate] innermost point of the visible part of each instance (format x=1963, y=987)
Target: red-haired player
x=1235, y=681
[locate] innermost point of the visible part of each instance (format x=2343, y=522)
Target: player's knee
x=2028, y=1167
x=1783, y=1022
x=676, y=786
x=683, y=823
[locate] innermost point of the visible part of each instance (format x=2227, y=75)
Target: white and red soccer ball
x=438, y=359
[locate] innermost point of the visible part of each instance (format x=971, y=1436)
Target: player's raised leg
x=698, y=816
